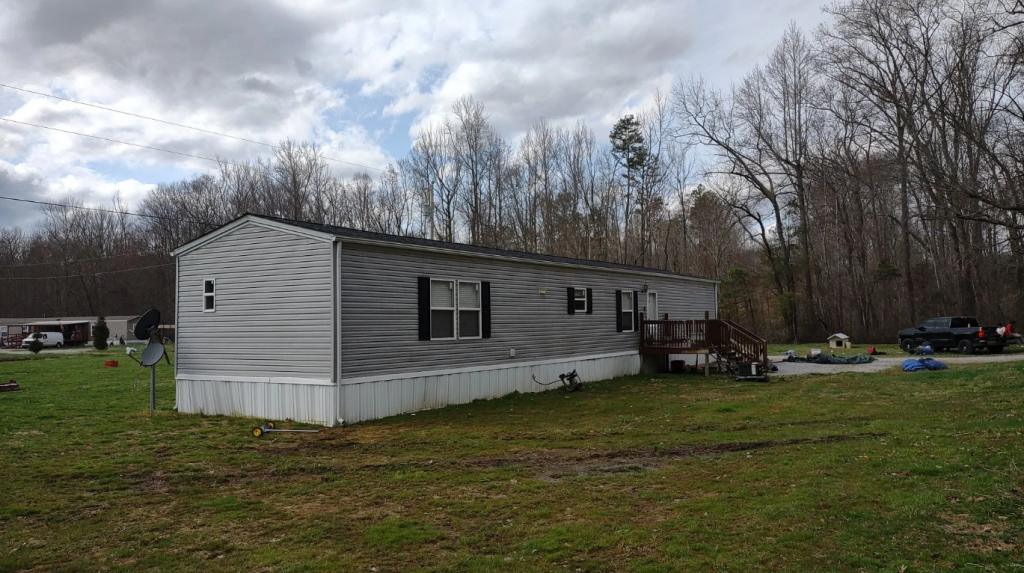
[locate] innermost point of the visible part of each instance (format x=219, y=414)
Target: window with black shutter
x=451, y=309
x=578, y=300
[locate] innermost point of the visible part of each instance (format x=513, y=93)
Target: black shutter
x=485, y=309
x=636, y=311
x=618, y=311
x=590, y=301
x=572, y=300
x=424, y=307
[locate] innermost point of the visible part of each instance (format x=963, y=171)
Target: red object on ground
x=110, y=363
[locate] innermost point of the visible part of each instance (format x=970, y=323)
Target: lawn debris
x=11, y=386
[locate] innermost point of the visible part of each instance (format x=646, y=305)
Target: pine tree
x=631, y=154
x=100, y=334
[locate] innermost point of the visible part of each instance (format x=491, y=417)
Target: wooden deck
x=723, y=338
x=674, y=337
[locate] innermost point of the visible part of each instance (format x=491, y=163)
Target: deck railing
x=747, y=345
x=665, y=335
x=12, y=340
x=722, y=337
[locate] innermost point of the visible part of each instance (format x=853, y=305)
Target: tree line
x=866, y=175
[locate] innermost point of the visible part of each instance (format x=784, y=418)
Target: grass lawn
x=853, y=472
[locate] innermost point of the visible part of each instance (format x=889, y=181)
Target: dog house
x=839, y=341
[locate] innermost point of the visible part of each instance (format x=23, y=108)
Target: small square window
x=580, y=300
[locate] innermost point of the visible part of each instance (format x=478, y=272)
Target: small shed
x=839, y=341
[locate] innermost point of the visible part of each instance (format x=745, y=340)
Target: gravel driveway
x=65, y=350
x=883, y=362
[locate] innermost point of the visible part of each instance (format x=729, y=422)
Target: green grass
x=852, y=472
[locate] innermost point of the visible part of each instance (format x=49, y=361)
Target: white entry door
x=652, y=306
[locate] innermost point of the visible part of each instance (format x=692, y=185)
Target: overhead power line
x=118, y=141
x=84, y=274
x=99, y=209
x=74, y=262
x=163, y=121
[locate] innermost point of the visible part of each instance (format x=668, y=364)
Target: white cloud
x=338, y=73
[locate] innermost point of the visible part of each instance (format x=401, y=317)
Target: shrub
x=100, y=334
x=35, y=346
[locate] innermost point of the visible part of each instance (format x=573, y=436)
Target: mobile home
x=283, y=319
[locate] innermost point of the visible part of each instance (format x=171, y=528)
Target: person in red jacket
x=1011, y=334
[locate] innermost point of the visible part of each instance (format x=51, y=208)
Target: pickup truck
x=961, y=332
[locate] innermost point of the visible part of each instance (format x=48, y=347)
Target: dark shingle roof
x=347, y=233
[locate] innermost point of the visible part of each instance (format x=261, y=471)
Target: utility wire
x=84, y=274
x=76, y=261
x=119, y=141
x=219, y=134
x=100, y=209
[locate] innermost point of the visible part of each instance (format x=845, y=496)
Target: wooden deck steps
x=721, y=340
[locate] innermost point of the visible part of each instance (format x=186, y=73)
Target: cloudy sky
x=356, y=76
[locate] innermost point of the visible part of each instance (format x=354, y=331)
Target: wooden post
x=707, y=360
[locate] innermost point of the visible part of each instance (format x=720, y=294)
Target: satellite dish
x=147, y=325
x=146, y=329
x=152, y=354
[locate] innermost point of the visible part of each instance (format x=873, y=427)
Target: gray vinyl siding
x=379, y=333
x=273, y=306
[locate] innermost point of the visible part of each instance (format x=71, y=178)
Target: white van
x=54, y=339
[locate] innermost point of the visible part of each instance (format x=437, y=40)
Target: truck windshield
x=965, y=322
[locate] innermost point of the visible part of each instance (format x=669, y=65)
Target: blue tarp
x=911, y=365
x=916, y=365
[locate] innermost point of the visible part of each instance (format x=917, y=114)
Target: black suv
x=960, y=332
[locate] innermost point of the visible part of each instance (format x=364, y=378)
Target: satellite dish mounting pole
x=148, y=328
x=152, y=389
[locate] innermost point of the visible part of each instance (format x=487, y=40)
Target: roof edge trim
x=254, y=220
x=512, y=257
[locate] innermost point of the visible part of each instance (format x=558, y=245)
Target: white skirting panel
x=313, y=403
x=372, y=398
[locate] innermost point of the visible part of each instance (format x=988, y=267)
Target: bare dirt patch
x=557, y=464
x=983, y=537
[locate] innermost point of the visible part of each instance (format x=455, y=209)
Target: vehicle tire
x=59, y=345
x=257, y=432
x=907, y=344
x=996, y=349
x=269, y=424
x=965, y=347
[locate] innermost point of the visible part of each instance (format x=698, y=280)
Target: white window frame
x=454, y=309
x=479, y=310
x=210, y=295
x=575, y=298
x=632, y=306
